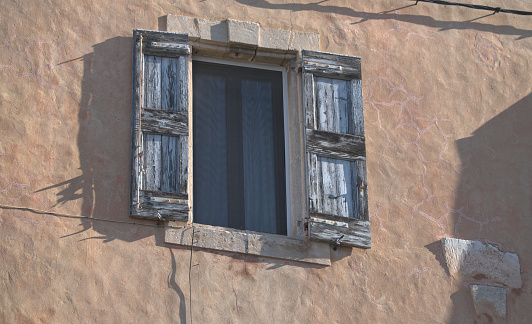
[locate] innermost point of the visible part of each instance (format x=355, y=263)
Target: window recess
x=167, y=151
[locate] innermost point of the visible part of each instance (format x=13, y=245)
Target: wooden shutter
x=335, y=149
x=160, y=150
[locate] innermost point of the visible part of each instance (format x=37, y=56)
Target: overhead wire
x=479, y=7
x=46, y=212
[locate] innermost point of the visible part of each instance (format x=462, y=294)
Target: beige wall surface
x=448, y=115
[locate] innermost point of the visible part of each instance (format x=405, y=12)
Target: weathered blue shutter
x=335, y=146
x=159, y=173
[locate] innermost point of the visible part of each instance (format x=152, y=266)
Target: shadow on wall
x=493, y=202
x=104, y=153
x=393, y=14
x=104, y=144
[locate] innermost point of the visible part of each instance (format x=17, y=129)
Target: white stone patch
x=490, y=303
x=481, y=261
x=243, y=32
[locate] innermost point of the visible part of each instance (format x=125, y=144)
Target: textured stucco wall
x=448, y=109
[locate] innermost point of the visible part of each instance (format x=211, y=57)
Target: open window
x=208, y=146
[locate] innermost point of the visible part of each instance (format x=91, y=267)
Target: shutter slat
x=358, y=111
x=157, y=121
x=152, y=162
x=336, y=151
x=170, y=84
x=362, y=187
x=341, y=146
x=183, y=164
x=308, y=99
x=169, y=164
x=152, y=82
x=344, y=231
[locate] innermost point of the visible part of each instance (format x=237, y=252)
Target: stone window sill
x=251, y=243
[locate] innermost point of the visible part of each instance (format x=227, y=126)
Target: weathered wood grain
x=152, y=82
x=163, y=49
x=150, y=208
x=135, y=119
x=358, y=111
x=337, y=194
x=170, y=84
x=160, y=125
x=183, y=164
x=336, y=145
x=309, y=100
x=331, y=105
x=313, y=183
x=354, y=233
x=336, y=151
x=152, y=162
x=157, y=121
x=362, y=187
x=169, y=163
x=331, y=65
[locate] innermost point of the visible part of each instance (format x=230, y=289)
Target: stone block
x=243, y=32
x=182, y=24
x=480, y=261
x=304, y=41
x=274, y=39
x=215, y=31
x=490, y=303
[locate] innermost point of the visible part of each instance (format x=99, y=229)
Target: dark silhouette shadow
x=494, y=198
x=172, y=283
x=463, y=306
x=493, y=202
x=104, y=144
x=436, y=249
x=393, y=15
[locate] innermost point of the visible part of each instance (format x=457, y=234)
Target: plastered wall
x=448, y=109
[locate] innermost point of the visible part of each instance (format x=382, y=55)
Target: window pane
x=210, y=159
x=258, y=151
x=239, y=148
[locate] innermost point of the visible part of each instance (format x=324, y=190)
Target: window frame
x=225, y=62
x=297, y=245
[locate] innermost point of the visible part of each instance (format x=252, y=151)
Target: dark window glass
x=239, y=162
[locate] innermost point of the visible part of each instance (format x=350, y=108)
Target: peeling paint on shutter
x=159, y=176
x=336, y=153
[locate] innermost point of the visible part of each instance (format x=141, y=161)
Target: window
x=239, y=164
x=220, y=160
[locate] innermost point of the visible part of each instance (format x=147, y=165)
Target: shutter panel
x=335, y=149
x=160, y=150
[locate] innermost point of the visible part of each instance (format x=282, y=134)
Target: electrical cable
x=41, y=211
x=479, y=7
